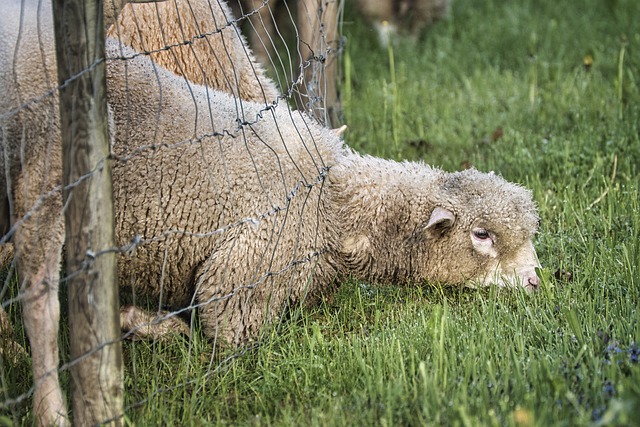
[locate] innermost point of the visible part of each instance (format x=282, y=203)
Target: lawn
x=546, y=93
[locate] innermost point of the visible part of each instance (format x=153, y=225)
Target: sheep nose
x=533, y=281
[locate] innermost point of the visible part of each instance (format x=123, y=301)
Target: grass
x=544, y=92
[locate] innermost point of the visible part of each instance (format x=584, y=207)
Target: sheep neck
x=378, y=205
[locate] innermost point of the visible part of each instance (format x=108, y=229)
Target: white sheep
x=207, y=48
x=240, y=213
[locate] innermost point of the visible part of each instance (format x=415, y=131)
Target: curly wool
x=207, y=47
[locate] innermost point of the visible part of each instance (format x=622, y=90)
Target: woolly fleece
x=206, y=46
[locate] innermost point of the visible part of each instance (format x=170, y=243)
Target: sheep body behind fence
x=242, y=211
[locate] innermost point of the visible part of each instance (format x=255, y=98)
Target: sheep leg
x=38, y=249
x=141, y=324
x=6, y=255
x=214, y=295
x=236, y=299
x=41, y=317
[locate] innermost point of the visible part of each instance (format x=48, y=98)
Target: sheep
x=238, y=213
x=232, y=69
x=402, y=16
x=206, y=45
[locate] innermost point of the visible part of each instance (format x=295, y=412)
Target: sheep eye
x=481, y=234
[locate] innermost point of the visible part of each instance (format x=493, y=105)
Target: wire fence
x=218, y=162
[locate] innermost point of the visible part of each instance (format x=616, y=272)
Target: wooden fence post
x=91, y=274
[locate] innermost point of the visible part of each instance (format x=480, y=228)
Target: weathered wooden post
x=91, y=273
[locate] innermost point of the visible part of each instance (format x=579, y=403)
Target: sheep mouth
x=532, y=286
x=528, y=282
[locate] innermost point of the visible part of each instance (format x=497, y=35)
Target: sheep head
x=480, y=231
x=410, y=222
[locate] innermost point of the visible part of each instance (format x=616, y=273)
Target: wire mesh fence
x=218, y=179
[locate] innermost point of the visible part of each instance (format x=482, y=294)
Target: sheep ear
x=339, y=131
x=440, y=221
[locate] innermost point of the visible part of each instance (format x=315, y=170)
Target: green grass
x=502, y=86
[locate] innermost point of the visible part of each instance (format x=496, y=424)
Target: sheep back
x=196, y=39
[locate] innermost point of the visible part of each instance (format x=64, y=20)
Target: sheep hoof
x=138, y=324
x=12, y=352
